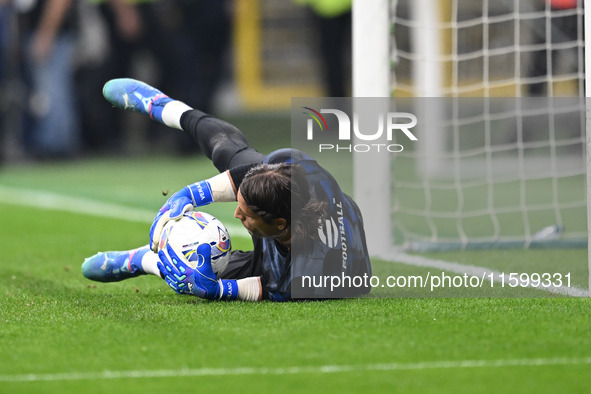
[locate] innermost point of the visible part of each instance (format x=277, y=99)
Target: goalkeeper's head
x=274, y=200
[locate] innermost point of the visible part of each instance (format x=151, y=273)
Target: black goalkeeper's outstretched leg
x=221, y=142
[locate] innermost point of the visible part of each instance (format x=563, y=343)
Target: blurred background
x=246, y=59
x=230, y=58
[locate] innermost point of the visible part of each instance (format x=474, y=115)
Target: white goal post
x=438, y=59
x=371, y=40
x=587, y=25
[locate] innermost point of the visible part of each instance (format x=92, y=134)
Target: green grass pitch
x=62, y=333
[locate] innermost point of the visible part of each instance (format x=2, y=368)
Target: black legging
x=226, y=146
x=221, y=142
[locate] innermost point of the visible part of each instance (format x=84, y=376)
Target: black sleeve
x=237, y=173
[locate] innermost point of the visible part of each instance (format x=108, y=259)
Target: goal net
x=500, y=160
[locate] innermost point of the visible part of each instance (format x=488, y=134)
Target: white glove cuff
x=250, y=289
x=222, y=189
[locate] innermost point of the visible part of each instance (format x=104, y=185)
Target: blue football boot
x=133, y=95
x=114, y=266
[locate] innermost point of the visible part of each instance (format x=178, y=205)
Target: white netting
x=493, y=171
x=489, y=48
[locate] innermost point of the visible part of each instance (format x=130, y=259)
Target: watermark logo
x=388, y=125
x=318, y=118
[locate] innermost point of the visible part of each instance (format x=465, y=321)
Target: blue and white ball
x=193, y=229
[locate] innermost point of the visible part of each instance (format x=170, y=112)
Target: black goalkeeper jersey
x=339, y=255
x=310, y=270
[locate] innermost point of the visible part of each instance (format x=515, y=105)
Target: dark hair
x=275, y=191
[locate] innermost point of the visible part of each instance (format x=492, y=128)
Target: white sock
x=150, y=263
x=171, y=113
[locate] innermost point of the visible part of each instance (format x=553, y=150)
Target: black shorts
x=242, y=265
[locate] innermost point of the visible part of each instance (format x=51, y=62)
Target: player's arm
x=219, y=188
x=201, y=281
x=54, y=14
x=237, y=174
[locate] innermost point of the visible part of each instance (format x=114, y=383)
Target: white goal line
x=61, y=202
x=321, y=369
x=396, y=256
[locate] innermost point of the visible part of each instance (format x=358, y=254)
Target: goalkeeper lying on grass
x=282, y=198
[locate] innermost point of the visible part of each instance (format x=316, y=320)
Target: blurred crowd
x=57, y=54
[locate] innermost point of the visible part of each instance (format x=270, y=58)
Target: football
x=194, y=228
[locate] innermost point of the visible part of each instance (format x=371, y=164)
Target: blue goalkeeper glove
x=194, y=195
x=200, y=281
